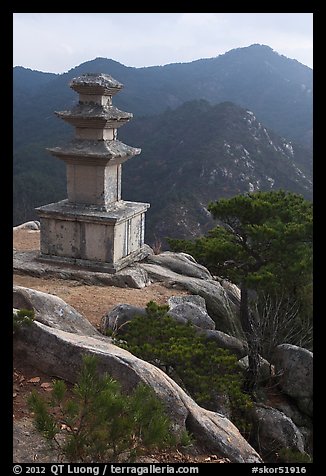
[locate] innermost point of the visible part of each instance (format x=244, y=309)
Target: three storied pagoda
x=94, y=228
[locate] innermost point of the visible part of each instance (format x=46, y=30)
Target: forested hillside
x=199, y=153
x=277, y=90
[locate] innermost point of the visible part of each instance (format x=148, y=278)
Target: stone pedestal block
x=93, y=239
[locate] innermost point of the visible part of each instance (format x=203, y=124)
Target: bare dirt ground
x=93, y=302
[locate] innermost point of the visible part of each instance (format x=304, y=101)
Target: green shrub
x=286, y=455
x=22, y=317
x=99, y=422
x=199, y=366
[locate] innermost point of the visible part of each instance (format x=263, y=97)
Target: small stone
x=34, y=380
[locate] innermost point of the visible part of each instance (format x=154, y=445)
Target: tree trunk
x=249, y=324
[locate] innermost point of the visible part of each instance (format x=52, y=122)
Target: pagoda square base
x=89, y=238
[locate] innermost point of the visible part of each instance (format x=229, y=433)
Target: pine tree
x=99, y=422
x=263, y=241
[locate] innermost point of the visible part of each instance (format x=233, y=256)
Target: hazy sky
x=57, y=42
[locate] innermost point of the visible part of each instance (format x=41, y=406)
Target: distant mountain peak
x=260, y=46
x=215, y=136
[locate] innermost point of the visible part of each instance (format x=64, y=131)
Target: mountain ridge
x=40, y=179
x=199, y=153
x=270, y=84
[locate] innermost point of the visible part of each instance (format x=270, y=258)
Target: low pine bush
x=22, y=317
x=199, y=366
x=287, y=455
x=100, y=423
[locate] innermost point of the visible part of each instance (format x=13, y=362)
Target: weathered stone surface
x=198, y=301
x=24, y=432
x=265, y=369
x=190, y=308
x=29, y=225
x=26, y=262
x=295, y=365
x=220, y=298
x=91, y=237
x=180, y=263
x=221, y=309
x=120, y=315
x=99, y=113
x=306, y=405
x=99, y=83
x=234, y=345
x=232, y=290
x=53, y=311
x=60, y=353
x=291, y=410
x=274, y=430
x=133, y=276
x=221, y=403
x=308, y=436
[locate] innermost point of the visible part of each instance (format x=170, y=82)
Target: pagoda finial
x=96, y=83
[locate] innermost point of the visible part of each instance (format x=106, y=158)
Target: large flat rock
x=175, y=270
x=59, y=337
x=222, y=309
x=26, y=262
x=295, y=366
x=60, y=353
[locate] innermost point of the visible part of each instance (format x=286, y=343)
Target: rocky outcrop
x=221, y=308
x=265, y=370
x=175, y=270
x=301, y=420
x=190, y=309
x=275, y=431
x=291, y=410
x=29, y=225
x=232, y=291
x=306, y=405
x=59, y=353
x=53, y=311
x=295, y=367
x=234, y=345
x=180, y=263
x=114, y=319
x=29, y=446
x=131, y=277
x=183, y=310
x=26, y=262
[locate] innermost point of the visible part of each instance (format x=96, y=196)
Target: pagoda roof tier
x=96, y=83
x=114, y=213
x=94, y=115
x=109, y=150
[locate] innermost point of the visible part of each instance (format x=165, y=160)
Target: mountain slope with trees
x=190, y=156
x=264, y=244
x=199, y=153
x=276, y=89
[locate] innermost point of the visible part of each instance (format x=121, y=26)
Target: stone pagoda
x=94, y=228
